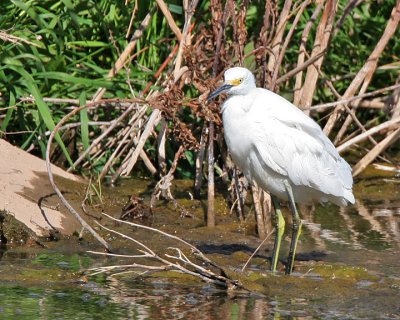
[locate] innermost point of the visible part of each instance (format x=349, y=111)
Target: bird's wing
x=292, y=144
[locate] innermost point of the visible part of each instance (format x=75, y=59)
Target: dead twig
x=277, y=40
x=184, y=41
x=361, y=137
x=257, y=249
x=102, y=136
x=14, y=39
x=299, y=68
x=377, y=150
x=178, y=262
x=171, y=22
x=57, y=190
x=322, y=38
x=302, y=53
x=154, y=119
x=289, y=36
x=364, y=76
x=320, y=107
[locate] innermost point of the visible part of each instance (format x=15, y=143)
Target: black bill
x=218, y=91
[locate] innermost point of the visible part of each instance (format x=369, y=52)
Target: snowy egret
x=283, y=150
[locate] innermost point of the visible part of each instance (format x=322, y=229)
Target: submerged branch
x=178, y=262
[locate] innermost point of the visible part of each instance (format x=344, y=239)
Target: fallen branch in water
x=175, y=259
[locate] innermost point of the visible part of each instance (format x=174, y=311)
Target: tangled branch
x=177, y=260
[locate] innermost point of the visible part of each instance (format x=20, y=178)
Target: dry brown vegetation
x=200, y=52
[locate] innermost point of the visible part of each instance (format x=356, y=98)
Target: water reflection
x=372, y=225
x=166, y=301
x=133, y=300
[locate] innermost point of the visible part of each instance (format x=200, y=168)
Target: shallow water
x=348, y=267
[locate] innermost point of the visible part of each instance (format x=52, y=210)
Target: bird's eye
x=240, y=80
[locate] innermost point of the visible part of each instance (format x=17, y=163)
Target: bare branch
x=386, y=125
x=258, y=248
x=84, y=224
x=171, y=22
x=319, y=107
x=378, y=149
x=322, y=38
x=363, y=77
x=147, y=253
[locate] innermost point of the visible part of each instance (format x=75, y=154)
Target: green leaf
x=175, y=8
x=90, y=44
x=65, y=77
x=9, y=112
x=42, y=107
x=84, y=122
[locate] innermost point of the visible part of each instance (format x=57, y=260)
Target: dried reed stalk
x=260, y=220
x=211, y=185
x=323, y=35
x=171, y=22
x=393, y=123
x=153, y=120
x=364, y=76
x=377, y=150
x=289, y=36
x=277, y=41
x=298, y=88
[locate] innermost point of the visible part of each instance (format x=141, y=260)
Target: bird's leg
x=279, y=222
x=296, y=228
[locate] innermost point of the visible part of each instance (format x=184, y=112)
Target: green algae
x=355, y=273
x=14, y=232
x=40, y=265
x=174, y=277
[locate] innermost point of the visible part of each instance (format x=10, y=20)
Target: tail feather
x=348, y=195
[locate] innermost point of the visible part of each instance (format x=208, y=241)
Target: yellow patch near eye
x=235, y=82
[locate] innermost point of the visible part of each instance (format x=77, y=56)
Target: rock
x=26, y=193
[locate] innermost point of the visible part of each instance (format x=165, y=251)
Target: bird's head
x=238, y=81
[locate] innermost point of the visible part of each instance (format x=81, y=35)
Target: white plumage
x=276, y=144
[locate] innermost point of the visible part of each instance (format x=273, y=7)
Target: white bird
x=283, y=150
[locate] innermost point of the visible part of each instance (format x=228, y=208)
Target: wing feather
x=292, y=144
